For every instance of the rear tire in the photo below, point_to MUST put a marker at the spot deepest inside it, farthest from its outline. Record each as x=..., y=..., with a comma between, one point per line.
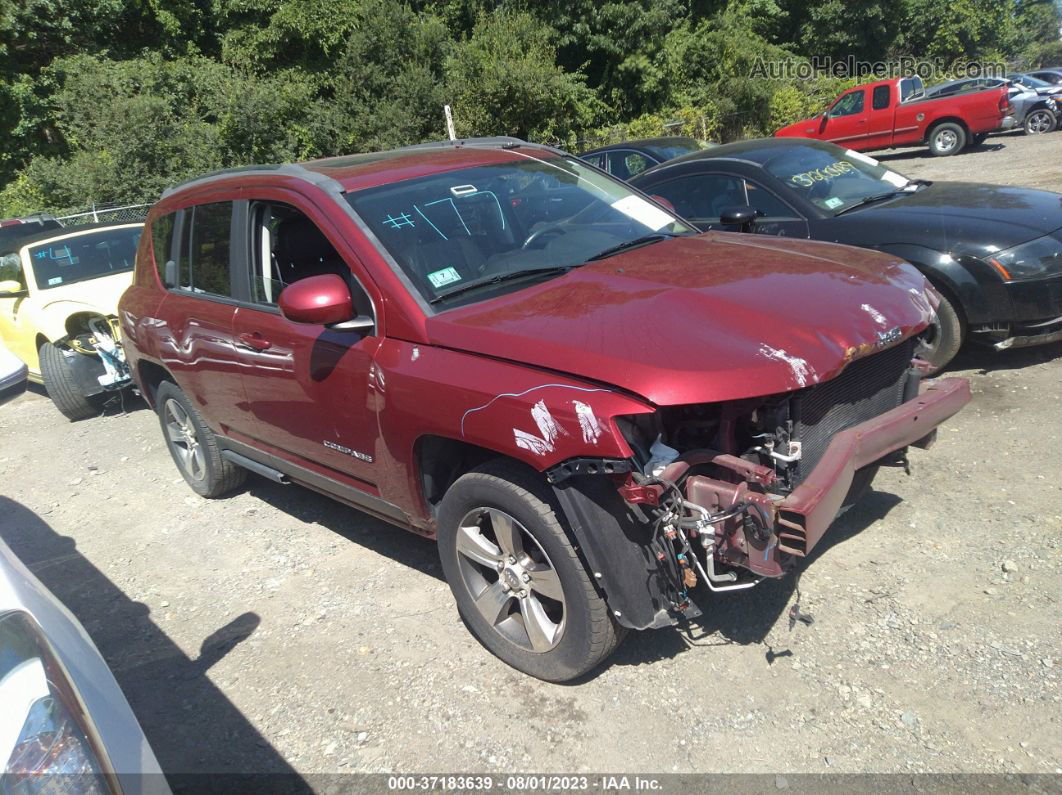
x=500, y=513
x=62, y=387
x=945, y=336
x=194, y=446
x=947, y=139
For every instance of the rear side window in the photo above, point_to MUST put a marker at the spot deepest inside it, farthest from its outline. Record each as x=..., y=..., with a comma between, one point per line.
x=162, y=246
x=880, y=100
x=206, y=235
x=625, y=163
x=703, y=197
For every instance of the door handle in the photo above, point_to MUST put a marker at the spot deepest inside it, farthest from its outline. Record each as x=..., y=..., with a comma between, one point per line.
x=254, y=342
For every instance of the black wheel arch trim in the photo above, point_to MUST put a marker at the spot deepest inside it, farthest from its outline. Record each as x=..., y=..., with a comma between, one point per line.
x=981, y=294
x=614, y=542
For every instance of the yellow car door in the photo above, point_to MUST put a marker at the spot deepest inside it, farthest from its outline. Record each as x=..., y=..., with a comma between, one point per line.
x=16, y=328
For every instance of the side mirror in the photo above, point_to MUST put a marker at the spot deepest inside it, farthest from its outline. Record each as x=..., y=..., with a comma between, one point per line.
x=742, y=216
x=11, y=288
x=663, y=202
x=323, y=300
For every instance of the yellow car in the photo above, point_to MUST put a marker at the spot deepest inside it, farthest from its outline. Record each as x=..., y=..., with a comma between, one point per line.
x=59, y=292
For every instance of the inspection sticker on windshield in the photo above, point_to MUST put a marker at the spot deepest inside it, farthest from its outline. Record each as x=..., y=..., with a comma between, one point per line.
x=833, y=202
x=444, y=277
x=643, y=212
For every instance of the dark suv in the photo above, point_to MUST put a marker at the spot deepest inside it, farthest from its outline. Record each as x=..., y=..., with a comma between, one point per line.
x=592, y=407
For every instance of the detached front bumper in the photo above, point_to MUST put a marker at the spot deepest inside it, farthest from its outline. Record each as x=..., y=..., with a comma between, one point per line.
x=1024, y=335
x=804, y=516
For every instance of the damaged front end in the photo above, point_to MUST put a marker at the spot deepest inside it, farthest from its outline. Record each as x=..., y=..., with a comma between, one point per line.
x=94, y=355
x=726, y=494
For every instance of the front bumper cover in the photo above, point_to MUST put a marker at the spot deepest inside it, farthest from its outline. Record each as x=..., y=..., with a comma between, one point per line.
x=1042, y=333
x=804, y=516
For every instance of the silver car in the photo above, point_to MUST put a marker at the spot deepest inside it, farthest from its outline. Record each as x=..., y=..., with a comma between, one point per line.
x=13, y=376
x=65, y=725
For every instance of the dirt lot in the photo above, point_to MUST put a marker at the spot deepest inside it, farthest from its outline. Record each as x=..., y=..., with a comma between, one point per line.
x=278, y=631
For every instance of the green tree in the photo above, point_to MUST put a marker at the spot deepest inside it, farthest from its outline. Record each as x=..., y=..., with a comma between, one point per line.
x=504, y=80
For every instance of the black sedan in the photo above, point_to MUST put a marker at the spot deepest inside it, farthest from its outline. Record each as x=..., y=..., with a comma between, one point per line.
x=994, y=253
x=624, y=160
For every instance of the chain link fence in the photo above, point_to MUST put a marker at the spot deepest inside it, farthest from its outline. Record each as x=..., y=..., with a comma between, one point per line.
x=99, y=214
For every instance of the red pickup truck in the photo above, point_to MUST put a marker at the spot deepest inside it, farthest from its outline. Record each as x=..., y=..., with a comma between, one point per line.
x=893, y=113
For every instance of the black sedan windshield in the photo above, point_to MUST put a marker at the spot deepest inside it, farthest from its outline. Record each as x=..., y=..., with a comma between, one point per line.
x=833, y=180
x=525, y=219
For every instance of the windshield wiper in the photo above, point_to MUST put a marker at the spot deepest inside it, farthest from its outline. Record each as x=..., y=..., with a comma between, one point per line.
x=498, y=278
x=871, y=200
x=644, y=240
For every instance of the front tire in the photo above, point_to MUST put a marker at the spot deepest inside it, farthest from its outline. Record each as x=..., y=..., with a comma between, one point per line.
x=944, y=338
x=947, y=139
x=1039, y=122
x=62, y=387
x=519, y=583
x=193, y=446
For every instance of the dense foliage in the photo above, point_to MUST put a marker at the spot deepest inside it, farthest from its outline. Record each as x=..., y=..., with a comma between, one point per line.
x=111, y=100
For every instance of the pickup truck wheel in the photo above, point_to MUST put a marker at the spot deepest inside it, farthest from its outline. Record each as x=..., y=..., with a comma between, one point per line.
x=194, y=446
x=62, y=387
x=944, y=337
x=520, y=587
x=946, y=139
x=1039, y=122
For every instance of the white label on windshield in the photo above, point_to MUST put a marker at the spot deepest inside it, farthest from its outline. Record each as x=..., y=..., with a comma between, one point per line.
x=55, y=280
x=860, y=156
x=894, y=179
x=833, y=202
x=444, y=277
x=643, y=212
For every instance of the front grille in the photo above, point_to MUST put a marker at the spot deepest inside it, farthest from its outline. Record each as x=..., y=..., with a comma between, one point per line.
x=865, y=389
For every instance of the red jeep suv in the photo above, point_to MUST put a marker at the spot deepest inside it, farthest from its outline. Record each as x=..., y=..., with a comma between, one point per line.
x=590, y=406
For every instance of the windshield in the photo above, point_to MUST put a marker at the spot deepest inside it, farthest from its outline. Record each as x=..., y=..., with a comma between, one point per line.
x=1031, y=82
x=448, y=230
x=87, y=256
x=833, y=178
x=675, y=149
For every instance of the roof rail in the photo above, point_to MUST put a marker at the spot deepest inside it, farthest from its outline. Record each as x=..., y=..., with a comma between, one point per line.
x=504, y=141
x=290, y=169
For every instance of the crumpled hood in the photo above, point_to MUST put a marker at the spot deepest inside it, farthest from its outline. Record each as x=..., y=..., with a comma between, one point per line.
x=719, y=316
x=99, y=295
x=960, y=218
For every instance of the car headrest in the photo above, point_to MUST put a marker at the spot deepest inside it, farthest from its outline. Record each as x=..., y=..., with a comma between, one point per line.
x=299, y=240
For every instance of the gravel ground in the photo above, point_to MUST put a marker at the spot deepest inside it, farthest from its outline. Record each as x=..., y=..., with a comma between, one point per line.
x=279, y=631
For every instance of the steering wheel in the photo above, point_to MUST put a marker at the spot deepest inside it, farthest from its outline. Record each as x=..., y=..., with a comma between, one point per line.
x=536, y=234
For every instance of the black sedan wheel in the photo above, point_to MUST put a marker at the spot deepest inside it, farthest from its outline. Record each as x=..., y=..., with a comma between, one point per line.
x=944, y=337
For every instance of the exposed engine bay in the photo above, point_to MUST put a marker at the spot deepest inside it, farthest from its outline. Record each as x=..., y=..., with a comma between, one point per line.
x=97, y=337
x=719, y=479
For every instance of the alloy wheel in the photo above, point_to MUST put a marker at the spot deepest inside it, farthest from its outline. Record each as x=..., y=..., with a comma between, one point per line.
x=1039, y=122
x=184, y=440
x=511, y=580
